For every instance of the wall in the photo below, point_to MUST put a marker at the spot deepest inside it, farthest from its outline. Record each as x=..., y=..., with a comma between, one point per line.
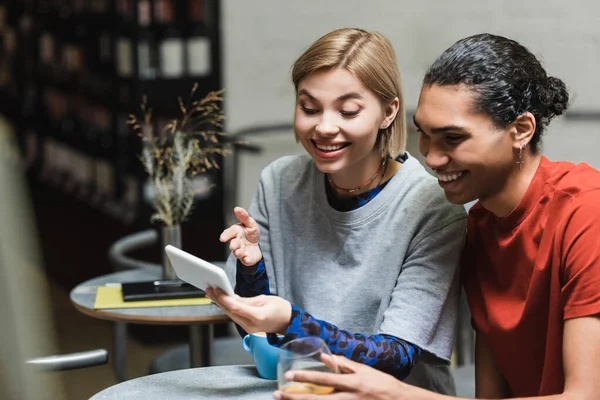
x=264, y=37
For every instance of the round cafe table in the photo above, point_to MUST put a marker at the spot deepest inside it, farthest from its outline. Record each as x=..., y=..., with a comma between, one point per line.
x=240, y=382
x=199, y=318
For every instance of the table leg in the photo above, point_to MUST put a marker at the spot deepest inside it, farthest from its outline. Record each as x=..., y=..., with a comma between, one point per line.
x=120, y=351
x=201, y=338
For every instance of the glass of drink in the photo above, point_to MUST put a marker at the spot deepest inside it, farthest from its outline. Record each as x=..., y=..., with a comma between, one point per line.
x=308, y=353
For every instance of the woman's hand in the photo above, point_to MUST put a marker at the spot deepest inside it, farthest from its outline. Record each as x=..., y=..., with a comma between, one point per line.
x=262, y=313
x=243, y=238
x=356, y=381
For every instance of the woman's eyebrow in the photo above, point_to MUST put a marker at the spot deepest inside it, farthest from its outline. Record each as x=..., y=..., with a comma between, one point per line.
x=342, y=98
x=351, y=95
x=305, y=92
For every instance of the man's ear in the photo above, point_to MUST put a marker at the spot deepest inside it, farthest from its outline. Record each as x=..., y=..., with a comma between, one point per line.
x=523, y=130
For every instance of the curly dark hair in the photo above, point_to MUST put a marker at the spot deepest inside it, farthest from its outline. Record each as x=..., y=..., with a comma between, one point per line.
x=507, y=79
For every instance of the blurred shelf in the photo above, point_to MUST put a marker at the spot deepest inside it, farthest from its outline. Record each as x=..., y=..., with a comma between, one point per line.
x=70, y=73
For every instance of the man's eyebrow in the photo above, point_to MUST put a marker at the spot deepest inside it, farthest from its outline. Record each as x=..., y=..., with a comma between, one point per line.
x=442, y=129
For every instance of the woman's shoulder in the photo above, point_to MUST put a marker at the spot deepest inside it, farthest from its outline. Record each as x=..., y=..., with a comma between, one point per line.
x=287, y=168
x=289, y=164
x=423, y=185
x=425, y=196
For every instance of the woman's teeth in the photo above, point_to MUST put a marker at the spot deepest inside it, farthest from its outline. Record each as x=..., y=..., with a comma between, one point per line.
x=449, y=177
x=329, y=147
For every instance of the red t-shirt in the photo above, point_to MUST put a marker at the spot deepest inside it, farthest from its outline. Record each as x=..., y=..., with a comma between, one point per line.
x=525, y=273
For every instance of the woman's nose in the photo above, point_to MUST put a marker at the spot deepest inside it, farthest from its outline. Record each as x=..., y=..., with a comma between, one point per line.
x=327, y=126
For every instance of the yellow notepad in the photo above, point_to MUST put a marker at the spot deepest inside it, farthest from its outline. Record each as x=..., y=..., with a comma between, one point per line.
x=112, y=297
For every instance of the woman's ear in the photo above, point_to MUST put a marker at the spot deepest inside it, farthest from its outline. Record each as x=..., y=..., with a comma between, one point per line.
x=523, y=129
x=390, y=113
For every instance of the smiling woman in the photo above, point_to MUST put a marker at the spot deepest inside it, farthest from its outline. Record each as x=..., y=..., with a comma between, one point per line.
x=356, y=232
x=337, y=120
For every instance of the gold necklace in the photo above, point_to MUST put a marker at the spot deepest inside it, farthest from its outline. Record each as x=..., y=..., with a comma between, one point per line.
x=364, y=185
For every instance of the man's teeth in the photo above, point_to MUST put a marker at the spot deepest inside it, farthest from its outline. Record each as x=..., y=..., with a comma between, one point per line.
x=329, y=148
x=449, y=177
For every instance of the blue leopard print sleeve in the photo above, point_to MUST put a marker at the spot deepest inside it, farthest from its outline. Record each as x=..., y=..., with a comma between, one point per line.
x=252, y=284
x=386, y=353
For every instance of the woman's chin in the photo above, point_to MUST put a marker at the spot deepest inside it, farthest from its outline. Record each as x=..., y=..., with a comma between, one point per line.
x=327, y=167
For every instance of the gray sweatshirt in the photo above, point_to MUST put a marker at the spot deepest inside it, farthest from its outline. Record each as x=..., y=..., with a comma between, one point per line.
x=390, y=266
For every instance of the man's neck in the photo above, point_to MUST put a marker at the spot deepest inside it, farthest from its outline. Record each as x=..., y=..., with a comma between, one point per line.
x=502, y=203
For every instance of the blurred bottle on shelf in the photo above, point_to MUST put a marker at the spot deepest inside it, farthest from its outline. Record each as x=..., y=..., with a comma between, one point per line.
x=144, y=13
x=198, y=43
x=171, y=45
x=147, y=57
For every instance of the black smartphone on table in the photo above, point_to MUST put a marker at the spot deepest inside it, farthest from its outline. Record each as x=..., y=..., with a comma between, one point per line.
x=160, y=290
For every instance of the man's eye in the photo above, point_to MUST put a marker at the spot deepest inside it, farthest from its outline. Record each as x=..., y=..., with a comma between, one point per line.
x=309, y=111
x=454, y=139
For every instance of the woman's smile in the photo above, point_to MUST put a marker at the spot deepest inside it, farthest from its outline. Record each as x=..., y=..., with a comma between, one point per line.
x=328, y=149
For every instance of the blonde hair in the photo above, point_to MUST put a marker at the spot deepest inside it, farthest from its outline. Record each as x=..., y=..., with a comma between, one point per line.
x=370, y=57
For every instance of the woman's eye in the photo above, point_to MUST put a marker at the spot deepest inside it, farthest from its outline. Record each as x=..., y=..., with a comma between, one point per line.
x=309, y=111
x=349, y=113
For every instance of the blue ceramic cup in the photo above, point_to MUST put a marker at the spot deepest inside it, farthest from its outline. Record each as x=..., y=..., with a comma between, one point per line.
x=265, y=355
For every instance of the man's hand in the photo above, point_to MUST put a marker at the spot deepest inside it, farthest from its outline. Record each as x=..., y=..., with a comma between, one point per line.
x=356, y=381
x=262, y=313
x=243, y=238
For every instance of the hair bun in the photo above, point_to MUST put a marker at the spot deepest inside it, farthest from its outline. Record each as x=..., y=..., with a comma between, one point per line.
x=554, y=97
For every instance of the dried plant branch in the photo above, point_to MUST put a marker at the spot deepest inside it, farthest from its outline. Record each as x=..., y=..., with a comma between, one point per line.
x=186, y=146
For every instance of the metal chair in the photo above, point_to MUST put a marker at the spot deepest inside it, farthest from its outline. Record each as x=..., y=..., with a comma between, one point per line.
x=117, y=254
x=65, y=362
x=254, y=148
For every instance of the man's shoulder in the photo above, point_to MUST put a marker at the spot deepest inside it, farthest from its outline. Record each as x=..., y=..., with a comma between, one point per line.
x=572, y=178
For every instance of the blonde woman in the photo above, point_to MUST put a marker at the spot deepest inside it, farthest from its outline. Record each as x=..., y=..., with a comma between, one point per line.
x=356, y=232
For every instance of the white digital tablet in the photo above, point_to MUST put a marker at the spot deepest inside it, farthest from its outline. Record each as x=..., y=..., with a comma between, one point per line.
x=198, y=272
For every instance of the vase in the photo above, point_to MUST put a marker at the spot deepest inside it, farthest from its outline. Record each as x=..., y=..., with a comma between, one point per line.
x=171, y=234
